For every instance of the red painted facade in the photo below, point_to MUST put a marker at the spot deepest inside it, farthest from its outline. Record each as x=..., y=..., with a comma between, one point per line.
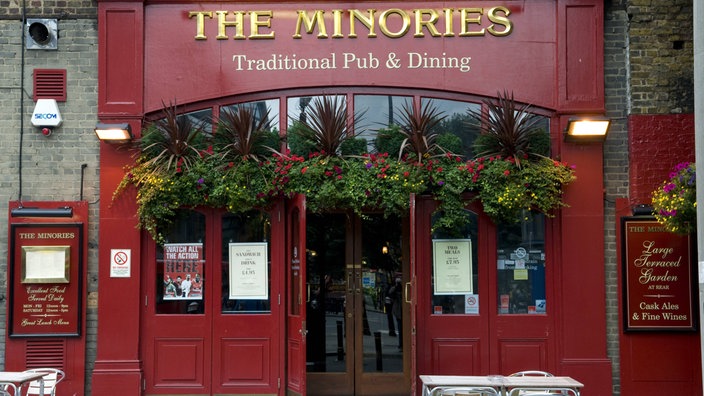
x=155, y=53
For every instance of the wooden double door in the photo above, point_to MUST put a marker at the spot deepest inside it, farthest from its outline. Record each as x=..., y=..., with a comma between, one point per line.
x=212, y=320
x=357, y=305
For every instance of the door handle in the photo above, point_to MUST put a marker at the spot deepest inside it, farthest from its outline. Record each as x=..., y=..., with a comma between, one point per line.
x=406, y=294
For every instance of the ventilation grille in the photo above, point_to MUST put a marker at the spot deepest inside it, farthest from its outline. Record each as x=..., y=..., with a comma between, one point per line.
x=50, y=84
x=45, y=353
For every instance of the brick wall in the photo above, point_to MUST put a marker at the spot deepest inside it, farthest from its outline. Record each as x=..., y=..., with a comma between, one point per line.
x=661, y=49
x=615, y=164
x=52, y=167
x=64, y=9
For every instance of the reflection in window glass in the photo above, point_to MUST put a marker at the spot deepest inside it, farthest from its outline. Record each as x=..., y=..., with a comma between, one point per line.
x=180, y=266
x=376, y=114
x=261, y=108
x=203, y=118
x=242, y=228
x=542, y=146
x=299, y=114
x=457, y=303
x=456, y=133
x=521, y=266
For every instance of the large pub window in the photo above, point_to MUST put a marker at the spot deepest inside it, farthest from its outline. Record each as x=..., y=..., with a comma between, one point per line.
x=520, y=266
x=180, y=266
x=455, y=276
x=239, y=232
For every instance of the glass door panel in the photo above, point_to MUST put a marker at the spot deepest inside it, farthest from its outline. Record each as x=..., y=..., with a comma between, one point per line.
x=356, y=304
x=327, y=293
x=382, y=295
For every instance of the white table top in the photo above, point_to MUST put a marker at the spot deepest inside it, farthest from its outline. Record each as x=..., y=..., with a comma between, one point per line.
x=18, y=377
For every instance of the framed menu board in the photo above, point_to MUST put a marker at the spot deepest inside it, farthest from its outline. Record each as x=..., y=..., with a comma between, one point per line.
x=45, y=279
x=658, y=290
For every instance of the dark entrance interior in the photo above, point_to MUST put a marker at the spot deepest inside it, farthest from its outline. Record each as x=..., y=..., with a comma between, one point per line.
x=356, y=269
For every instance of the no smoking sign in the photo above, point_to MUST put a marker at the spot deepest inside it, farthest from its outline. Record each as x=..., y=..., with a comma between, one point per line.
x=120, y=263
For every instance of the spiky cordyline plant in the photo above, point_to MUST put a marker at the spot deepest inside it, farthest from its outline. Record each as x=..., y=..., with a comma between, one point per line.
x=173, y=142
x=326, y=123
x=241, y=134
x=506, y=129
x=416, y=127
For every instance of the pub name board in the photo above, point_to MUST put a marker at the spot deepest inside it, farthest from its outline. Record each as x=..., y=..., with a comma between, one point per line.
x=392, y=23
x=657, y=276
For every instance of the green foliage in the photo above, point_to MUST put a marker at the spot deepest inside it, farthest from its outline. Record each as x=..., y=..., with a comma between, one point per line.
x=389, y=140
x=297, y=141
x=353, y=146
x=241, y=172
x=449, y=143
x=506, y=190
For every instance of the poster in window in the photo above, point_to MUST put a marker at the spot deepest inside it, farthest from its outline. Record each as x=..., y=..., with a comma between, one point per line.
x=657, y=277
x=183, y=266
x=249, y=273
x=452, y=266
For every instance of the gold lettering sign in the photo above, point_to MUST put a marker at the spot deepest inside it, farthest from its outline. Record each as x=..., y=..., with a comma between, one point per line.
x=657, y=274
x=392, y=23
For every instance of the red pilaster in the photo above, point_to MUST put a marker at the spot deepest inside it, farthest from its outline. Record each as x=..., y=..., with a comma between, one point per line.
x=118, y=369
x=582, y=276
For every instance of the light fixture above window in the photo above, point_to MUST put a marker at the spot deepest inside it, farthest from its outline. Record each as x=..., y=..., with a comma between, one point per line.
x=588, y=129
x=114, y=133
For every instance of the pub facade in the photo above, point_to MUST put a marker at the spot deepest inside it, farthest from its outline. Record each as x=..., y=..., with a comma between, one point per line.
x=289, y=299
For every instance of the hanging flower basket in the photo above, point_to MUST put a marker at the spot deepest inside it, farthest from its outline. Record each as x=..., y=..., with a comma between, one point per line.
x=229, y=171
x=675, y=201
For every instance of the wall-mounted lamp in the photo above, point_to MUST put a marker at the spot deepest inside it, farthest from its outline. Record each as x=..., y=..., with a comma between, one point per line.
x=642, y=210
x=591, y=129
x=42, y=212
x=114, y=133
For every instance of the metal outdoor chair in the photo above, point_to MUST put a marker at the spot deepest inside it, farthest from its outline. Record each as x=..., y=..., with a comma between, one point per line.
x=463, y=391
x=51, y=379
x=531, y=373
x=533, y=392
x=545, y=392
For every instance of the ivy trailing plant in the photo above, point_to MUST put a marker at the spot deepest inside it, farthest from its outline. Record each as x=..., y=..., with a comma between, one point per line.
x=241, y=167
